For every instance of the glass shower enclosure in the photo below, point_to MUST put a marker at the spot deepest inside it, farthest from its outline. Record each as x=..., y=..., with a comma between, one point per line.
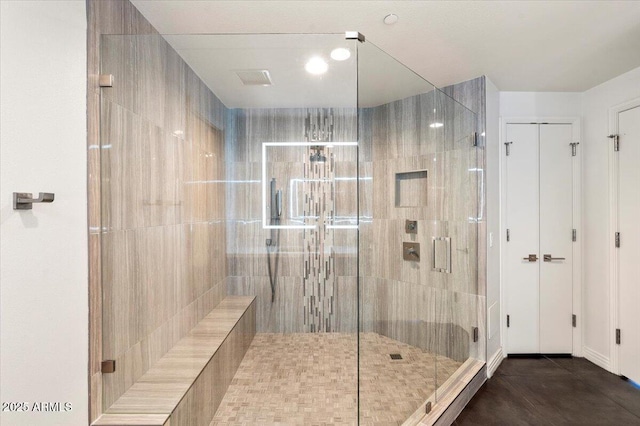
x=314, y=172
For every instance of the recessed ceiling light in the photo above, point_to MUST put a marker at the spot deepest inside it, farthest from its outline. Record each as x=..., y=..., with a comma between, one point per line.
x=436, y=125
x=390, y=19
x=340, y=54
x=316, y=65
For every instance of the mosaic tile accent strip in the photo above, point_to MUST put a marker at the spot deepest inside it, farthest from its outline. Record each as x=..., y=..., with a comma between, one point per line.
x=318, y=277
x=310, y=378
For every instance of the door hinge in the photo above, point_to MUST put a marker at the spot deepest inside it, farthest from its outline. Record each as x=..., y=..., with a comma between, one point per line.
x=574, y=148
x=476, y=334
x=617, y=336
x=427, y=407
x=617, y=240
x=616, y=142
x=508, y=235
x=108, y=366
x=506, y=145
x=574, y=235
x=574, y=320
x=508, y=321
x=105, y=80
x=474, y=138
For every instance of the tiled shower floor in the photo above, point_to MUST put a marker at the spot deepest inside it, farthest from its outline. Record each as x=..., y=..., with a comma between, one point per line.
x=310, y=379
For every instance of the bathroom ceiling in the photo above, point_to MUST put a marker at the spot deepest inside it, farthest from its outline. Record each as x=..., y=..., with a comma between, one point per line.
x=217, y=59
x=519, y=45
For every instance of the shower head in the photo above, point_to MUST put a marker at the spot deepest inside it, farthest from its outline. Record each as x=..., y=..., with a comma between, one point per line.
x=317, y=156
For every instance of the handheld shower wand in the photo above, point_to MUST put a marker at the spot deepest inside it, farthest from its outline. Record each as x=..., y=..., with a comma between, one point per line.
x=276, y=203
x=276, y=214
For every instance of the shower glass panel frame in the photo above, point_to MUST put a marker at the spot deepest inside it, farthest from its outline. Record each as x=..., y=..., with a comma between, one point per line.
x=187, y=154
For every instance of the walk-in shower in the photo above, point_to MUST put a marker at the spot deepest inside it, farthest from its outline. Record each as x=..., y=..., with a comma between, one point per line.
x=342, y=193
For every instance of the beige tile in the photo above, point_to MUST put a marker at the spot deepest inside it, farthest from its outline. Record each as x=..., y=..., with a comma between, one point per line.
x=132, y=420
x=218, y=338
x=95, y=396
x=200, y=403
x=95, y=304
x=139, y=171
x=141, y=356
x=311, y=379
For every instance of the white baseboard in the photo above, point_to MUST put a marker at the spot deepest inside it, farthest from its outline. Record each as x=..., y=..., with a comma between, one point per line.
x=494, y=362
x=597, y=358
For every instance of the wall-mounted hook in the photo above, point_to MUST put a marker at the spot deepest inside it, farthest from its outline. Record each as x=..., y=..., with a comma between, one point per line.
x=25, y=200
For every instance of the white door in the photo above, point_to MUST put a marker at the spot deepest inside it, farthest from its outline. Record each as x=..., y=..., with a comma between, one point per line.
x=556, y=239
x=522, y=274
x=629, y=252
x=539, y=253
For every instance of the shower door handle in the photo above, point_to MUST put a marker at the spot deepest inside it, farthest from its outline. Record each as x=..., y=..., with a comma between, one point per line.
x=447, y=247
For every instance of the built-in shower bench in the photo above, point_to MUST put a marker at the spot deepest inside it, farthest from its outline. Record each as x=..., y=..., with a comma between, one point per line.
x=186, y=386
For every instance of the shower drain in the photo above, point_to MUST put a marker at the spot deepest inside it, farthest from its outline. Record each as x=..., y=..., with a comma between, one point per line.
x=395, y=356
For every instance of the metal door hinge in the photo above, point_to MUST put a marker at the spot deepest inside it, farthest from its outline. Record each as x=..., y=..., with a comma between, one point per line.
x=476, y=334
x=574, y=148
x=508, y=149
x=574, y=320
x=617, y=336
x=105, y=80
x=574, y=235
x=508, y=235
x=508, y=321
x=354, y=35
x=616, y=142
x=427, y=407
x=617, y=240
x=108, y=366
x=474, y=138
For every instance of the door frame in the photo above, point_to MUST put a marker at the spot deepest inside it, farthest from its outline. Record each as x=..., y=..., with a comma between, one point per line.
x=575, y=122
x=614, y=280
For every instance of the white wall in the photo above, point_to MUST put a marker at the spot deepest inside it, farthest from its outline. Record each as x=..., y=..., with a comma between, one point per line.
x=43, y=252
x=492, y=152
x=596, y=104
x=540, y=104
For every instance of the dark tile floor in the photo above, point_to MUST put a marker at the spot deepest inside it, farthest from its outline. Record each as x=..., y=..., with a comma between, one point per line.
x=553, y=391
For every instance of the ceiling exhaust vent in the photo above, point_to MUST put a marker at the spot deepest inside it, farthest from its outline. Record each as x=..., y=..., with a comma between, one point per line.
x=255, y=77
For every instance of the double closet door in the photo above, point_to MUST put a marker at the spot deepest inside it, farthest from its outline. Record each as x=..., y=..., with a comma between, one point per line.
x=538, y=268
x=628, y=210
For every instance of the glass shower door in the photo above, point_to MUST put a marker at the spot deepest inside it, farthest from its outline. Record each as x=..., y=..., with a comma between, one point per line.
x=458, y=304
x=418, y=240
x=399, y=201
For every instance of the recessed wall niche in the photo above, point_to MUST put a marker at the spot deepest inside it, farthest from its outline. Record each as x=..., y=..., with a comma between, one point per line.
x=411, y=189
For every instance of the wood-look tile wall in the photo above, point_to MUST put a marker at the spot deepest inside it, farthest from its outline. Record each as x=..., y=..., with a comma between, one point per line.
x=247, y=129
x=406, y=300
x=157, y=198
x=203, y=399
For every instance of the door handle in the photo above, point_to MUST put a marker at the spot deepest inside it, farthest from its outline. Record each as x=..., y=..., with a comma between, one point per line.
x=548, y=258
x=531, y=258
